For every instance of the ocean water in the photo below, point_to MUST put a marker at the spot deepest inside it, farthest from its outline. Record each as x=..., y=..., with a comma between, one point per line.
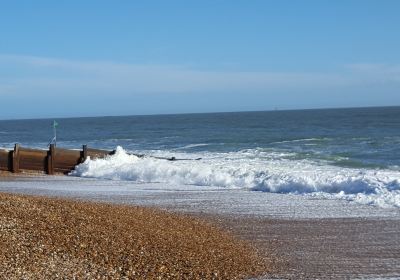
x=346, y=154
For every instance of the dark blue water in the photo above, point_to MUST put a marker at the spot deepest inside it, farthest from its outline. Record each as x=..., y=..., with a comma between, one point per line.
x=362, y=137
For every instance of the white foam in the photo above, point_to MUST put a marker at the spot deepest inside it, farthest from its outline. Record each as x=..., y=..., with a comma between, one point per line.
x=302, y=140
x=255, y=170
x=191, y=146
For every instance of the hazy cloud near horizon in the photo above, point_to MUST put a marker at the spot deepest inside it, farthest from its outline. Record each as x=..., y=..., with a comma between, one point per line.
x=27, y=79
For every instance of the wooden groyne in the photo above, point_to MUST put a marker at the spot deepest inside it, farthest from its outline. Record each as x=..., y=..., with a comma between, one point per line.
x=51, y=161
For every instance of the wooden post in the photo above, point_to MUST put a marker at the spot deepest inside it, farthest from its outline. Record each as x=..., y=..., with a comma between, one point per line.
x=50, y=160
x=84, y=153
x=10, y=161
x=15, y=159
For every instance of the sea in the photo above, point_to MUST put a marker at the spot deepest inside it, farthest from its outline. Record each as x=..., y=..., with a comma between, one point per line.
x=345, y=154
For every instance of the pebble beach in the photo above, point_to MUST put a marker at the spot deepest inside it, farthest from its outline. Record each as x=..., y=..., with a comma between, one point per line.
x=196, y=233
x=48, y=238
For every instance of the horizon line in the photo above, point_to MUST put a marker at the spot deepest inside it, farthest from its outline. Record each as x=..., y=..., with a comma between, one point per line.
x=201, y=113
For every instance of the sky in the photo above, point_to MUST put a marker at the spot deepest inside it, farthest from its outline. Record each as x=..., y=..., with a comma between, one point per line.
x=95, y=58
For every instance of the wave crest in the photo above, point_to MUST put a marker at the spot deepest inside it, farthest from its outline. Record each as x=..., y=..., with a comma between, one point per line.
x=244, y=170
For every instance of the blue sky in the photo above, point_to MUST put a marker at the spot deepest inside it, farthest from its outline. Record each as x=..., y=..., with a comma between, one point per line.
x=93, y=58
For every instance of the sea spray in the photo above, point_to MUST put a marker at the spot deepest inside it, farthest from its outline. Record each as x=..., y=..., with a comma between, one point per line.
x=253, y=170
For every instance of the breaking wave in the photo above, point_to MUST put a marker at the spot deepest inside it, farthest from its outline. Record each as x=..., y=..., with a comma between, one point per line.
x=253, y=170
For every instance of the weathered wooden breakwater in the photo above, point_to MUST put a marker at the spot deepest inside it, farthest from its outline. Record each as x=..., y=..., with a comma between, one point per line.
x=51, y=161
